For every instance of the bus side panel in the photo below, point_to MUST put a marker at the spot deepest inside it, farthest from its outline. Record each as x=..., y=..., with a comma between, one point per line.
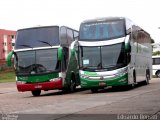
x=141, y=53
x=131, y=66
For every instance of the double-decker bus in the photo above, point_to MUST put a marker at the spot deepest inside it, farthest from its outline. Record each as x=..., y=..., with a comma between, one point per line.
x=113, y=51
x=45, y=59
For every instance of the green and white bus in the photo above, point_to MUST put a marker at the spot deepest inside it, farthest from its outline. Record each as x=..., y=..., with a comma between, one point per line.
x=113, y=51
x=45, y=59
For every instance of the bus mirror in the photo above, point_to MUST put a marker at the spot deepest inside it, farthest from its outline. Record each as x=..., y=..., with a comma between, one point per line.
x=127, y=47
x=9, y=58
x=60, y=53
x=127, y=44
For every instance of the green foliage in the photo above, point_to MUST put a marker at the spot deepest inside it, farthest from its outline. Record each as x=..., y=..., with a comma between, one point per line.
x=156, y=53
x=7, y=76
x=152, y=41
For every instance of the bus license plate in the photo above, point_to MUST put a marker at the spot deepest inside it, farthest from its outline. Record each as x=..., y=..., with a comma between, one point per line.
x=102, y=83
x=38, y=86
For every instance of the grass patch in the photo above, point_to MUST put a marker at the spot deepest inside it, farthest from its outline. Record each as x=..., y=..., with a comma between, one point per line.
x=7, y=76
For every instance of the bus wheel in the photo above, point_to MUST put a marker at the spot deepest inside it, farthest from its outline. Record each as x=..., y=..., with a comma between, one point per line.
x=132, y=86
x=72, y=86
x=94, y=90
x=158, y=74
x=134, y=78
x=36, y=92
x=147, y=78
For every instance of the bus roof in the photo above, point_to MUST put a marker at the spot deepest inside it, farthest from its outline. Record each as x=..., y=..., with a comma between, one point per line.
x=102, y=19
x=158, y=56
x=37, y=27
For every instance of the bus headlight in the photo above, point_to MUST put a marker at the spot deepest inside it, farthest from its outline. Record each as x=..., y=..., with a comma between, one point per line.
x=84, y=83
x=84, y=76
x=55, y=79
x=122, y=72
x=21, y=82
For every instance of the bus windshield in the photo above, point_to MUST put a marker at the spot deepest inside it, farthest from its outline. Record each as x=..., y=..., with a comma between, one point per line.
x=102, y=57
x=104, y=30
x=37, y=37
x=36, y=62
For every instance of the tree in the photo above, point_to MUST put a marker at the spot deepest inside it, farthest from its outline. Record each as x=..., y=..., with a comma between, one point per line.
x=156, y=53
x=152, y=40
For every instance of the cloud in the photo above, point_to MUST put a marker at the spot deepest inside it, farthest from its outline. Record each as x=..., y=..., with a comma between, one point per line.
x=28, y=13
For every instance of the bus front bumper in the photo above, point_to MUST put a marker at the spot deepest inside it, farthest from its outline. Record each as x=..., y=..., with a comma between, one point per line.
x=117, y=81
x=21, y=87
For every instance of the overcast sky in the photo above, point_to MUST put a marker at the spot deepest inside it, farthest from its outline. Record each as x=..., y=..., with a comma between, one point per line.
x=17, y=14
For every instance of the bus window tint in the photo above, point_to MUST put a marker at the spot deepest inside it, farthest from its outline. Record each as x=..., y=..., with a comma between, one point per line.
x=88, y=60
x=102, y=57
x=37, y=37
x=156, y=61
x=39, y=61
x=47, y=60
x=24, y=62
x=102, y=30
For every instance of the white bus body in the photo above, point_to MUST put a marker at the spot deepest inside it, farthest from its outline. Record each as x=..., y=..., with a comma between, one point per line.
x=156, y=65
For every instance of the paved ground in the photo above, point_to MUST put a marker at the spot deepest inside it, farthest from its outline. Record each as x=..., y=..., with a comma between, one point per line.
x=141, y=103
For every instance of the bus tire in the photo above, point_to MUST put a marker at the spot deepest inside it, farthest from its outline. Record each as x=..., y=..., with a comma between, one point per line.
x=94, y=90
x=134, y=77
x=146, y=82
x=36, y=92
x=132, y=86
x=72, y=86
x=158, y=74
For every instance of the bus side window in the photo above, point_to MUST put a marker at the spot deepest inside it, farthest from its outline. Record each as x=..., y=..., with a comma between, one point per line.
x=75, y=34
x=69, y=36
x=129, y=51
x=63, y=36
x=156, y=61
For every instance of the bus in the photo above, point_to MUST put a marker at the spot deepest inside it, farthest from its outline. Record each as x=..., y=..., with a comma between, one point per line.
x=113, y=51
x=156, y=65
x=45, y=58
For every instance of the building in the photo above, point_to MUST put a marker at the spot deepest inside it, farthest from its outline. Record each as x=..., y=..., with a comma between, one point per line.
x=156, y=47
x=7, y=39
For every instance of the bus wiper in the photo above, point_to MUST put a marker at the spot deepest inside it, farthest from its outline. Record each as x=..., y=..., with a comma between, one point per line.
x=84, y=68
x=28, y=46
x=109, y=66
x=99, y=65
x=89, y=68
x=45, y=42
x=120, y=64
